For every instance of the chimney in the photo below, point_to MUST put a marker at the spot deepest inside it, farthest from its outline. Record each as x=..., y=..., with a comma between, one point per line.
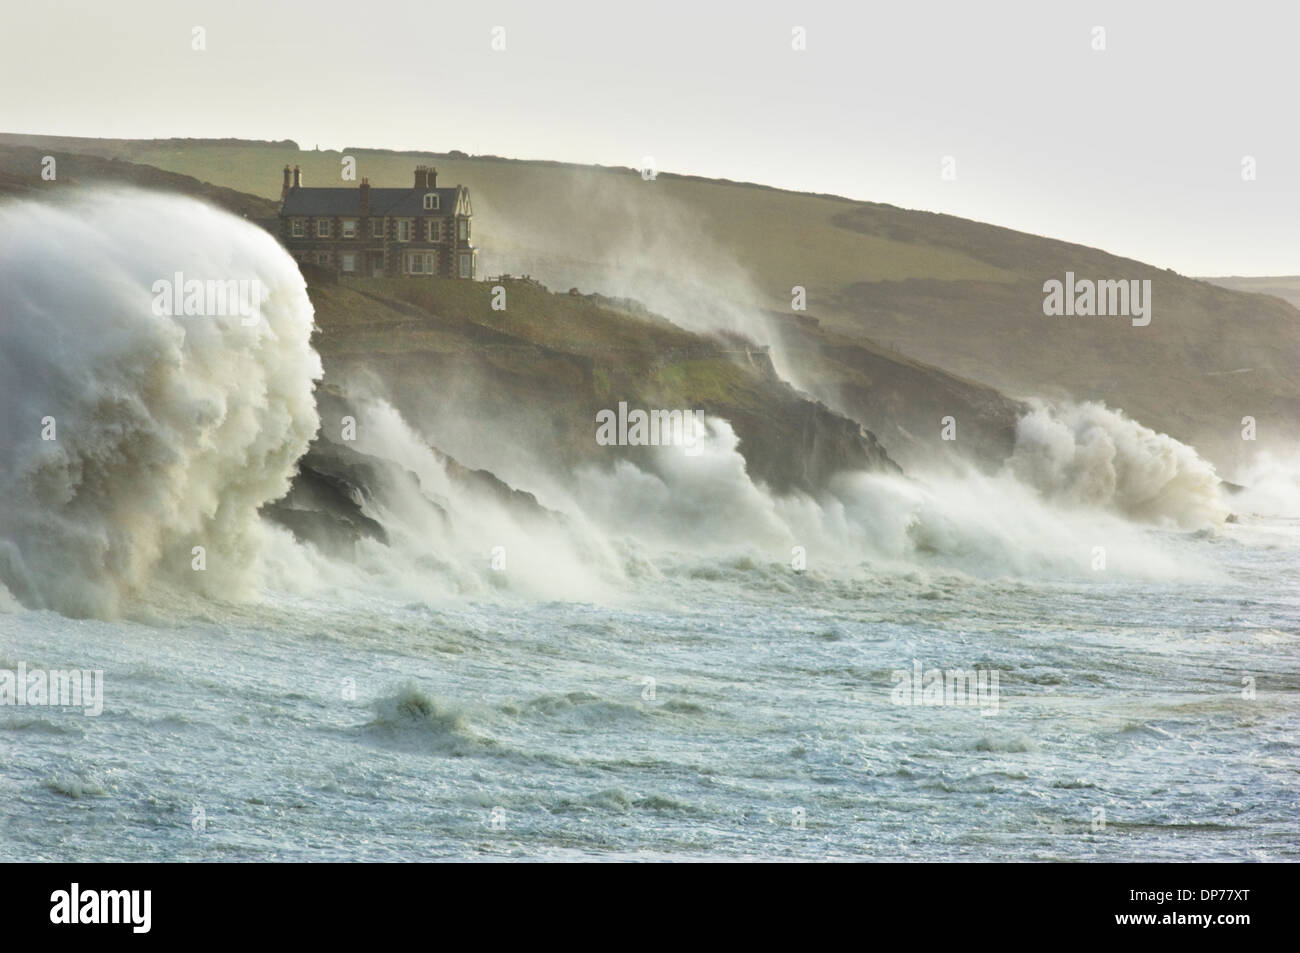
x=284, y=189
x=297, y=177
x=365, y=198
x=421, y=176
x=433, y=177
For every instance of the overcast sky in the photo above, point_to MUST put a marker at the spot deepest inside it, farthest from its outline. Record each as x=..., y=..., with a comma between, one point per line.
x=1137, y=149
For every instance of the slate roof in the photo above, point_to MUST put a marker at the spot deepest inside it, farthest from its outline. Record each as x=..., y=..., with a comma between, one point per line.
x=345, y=201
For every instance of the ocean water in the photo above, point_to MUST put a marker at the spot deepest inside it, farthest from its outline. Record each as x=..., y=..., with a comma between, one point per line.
x=527, y=729
x=680, y=665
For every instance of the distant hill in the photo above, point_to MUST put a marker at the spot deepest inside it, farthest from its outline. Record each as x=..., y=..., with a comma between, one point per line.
x=20, y=174
x=1286, y=287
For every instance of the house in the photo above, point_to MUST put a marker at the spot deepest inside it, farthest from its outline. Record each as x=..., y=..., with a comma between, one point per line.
x=365, y=231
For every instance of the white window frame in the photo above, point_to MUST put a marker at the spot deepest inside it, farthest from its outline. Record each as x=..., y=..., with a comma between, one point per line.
x=463, y=229
x=425, y=260
x=432, y=201
x=298, y=228
x=404, y=225
x=466, y=265
x=435, y=230
x=377, y=227
x=349, y=228
x=348, y=262
x=322, y=228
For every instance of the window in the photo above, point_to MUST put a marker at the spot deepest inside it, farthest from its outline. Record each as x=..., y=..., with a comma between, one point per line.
x=376, y=228
x=466, y=266
x=349, y=228
x=299, y=227
x=430, y=201
x=323, y=258
x=322, y=228
x=403, y=229
x=435, y=230
x=419, y=263
x=464, y=229
x=349, y=261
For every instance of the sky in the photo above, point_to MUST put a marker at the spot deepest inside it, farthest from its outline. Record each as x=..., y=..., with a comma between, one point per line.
x=1144, y=148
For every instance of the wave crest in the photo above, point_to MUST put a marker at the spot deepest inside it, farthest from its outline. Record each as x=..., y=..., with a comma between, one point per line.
x=1089, y=455
x=169, y=432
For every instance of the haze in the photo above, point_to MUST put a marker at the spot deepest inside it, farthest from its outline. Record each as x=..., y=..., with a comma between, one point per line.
x=1137, y=149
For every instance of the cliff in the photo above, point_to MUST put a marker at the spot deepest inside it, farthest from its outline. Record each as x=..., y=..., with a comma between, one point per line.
x=535, y=375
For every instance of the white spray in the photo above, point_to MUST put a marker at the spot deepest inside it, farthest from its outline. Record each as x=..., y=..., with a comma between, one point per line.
x=130, y=438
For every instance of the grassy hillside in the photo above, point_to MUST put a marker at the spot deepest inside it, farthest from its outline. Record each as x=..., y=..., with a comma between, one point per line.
x=786, y=237
x=1209, y=357
x=958, y=295
x=20, y=175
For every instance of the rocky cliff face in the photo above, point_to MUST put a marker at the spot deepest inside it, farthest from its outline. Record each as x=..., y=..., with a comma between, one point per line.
x=495, y=388
x=502, y=399
x=333, y=502
x=907, y=402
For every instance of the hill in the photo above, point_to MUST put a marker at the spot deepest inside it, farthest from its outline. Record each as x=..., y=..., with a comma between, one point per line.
x=958, y=296
x=1286, y=287
x=574, y=355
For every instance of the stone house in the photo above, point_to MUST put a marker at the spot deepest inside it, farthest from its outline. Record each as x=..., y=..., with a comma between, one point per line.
x=423, y=230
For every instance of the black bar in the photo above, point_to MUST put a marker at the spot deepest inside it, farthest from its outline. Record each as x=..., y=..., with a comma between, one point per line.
x=946, y=903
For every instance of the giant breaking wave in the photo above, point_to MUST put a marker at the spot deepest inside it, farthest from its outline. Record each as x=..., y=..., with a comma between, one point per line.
x=169, y=432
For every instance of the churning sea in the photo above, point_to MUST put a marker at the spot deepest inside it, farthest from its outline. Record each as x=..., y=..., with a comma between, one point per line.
x=721, y=710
